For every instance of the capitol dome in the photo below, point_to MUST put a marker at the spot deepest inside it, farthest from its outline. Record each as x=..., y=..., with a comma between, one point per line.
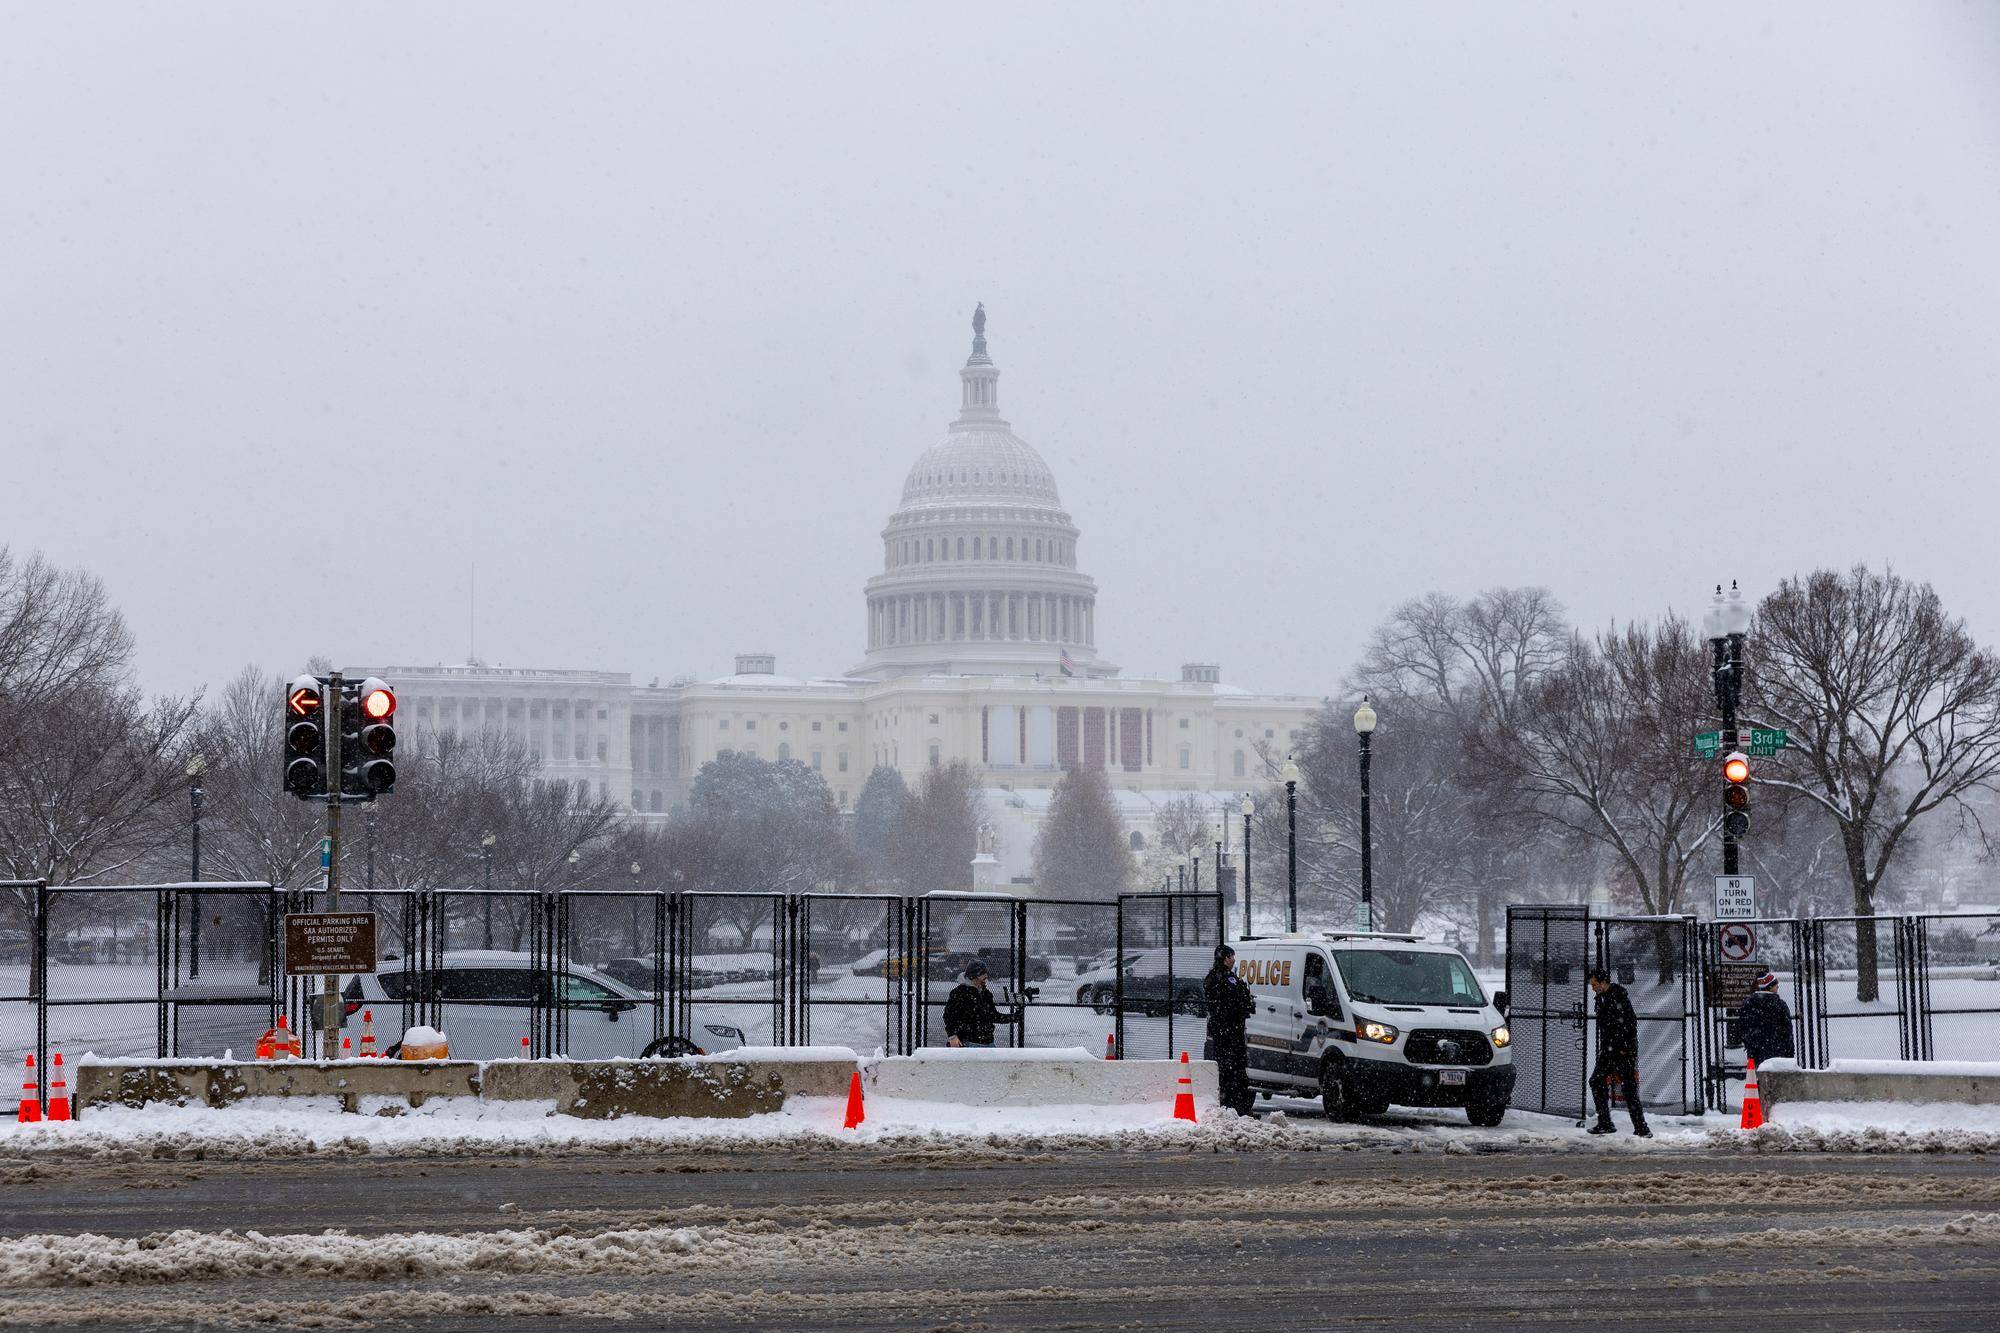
x=979, y=571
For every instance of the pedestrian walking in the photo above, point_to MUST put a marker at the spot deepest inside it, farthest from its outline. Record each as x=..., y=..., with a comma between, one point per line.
x=969, y=1012
x=1617, y=1054
x=1230, y=1005
x=1764, y=1022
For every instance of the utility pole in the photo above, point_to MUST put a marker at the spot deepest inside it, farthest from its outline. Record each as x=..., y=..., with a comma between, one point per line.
x=1728, y=621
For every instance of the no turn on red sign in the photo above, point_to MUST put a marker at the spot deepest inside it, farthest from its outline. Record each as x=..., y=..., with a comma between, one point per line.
x=1735, y=898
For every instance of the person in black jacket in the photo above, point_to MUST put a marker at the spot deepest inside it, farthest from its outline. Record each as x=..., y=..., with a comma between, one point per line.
x=969, y=1012
x=1617, y=1054
x=1229, y=1007
x=1764, y=1022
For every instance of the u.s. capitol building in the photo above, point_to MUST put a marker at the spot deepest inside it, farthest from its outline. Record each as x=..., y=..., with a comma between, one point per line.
x=981, y=646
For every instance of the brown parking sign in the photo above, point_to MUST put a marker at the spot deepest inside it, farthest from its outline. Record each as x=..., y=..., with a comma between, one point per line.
x=317, y=943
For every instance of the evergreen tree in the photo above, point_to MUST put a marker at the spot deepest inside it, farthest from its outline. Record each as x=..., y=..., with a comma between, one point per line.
x=879, y=813
x=940, y=831
x=1081, y=851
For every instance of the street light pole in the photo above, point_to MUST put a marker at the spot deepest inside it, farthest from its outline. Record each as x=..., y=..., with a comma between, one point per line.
x=486, y=842
x=1249, y=808
x=195, y=766
x=1291, y=776
x=1364, y=727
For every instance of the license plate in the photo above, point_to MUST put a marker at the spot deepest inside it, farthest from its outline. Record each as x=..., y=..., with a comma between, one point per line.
x=1452, y=1078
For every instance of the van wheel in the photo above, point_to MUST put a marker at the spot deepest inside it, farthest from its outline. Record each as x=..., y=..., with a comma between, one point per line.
x=671, y=1048
x=1335, y=1098
x=1486, y=1114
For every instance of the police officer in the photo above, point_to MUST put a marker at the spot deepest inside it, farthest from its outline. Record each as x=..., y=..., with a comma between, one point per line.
x=969, y=1011
x=1617, y=1054
x=1230, y=1005
x=1764, y=1021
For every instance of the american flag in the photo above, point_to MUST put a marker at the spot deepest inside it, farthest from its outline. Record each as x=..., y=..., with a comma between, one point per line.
x=1068, y=667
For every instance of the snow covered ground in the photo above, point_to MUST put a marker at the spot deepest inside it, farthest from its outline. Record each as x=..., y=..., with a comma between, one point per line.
x=452, y=1128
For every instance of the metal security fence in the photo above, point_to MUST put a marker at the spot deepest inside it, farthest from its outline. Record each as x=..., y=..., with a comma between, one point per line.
x=1884, y=987
x=198, y=970
x=1166, y=945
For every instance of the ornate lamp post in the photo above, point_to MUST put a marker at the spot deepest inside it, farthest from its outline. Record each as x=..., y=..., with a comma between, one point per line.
x=1291, y=777
x=1249, y=808
x=196, y=766
x=1364, y=727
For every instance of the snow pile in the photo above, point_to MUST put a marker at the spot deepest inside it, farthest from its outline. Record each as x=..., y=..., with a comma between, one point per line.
x=88, y=1259
x=1900, y=1068
x=1871, y=1127
x=1969, y=1229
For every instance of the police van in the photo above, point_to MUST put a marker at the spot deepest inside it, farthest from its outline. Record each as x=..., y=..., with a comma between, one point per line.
x=1366, y=1020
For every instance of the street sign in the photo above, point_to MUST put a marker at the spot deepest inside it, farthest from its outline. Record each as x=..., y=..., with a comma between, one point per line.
x=1767, y=741
x=1736, y=943
x=1735, y=898
x=1729, y=984
x=1708, y=744
x=322, y=943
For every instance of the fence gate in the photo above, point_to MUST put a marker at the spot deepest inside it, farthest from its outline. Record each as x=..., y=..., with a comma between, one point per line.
x=734, y=978
x=952, y=930
x=1166, y=944
x=1548, y=957
x=1657, y=961
x=849, y=960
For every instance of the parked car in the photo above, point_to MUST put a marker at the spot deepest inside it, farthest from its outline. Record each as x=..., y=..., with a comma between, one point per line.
x=1149, y=989
x=489, y=995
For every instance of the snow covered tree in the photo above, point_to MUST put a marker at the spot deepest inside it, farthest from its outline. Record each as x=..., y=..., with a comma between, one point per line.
x=940, y=831
x=1892, y=710
x=1081, y=850
x=878, y=818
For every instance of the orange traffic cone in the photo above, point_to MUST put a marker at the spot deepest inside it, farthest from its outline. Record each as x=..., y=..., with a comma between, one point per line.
x=31, y=1098
x=368, y=1050
x=1753, y=1105
x=279, y=1041
x=58, y=1091
x=1184, y=1099
x=524, y=1049
x=1111, y=1046
x=347, y=1048
x=855, y=1115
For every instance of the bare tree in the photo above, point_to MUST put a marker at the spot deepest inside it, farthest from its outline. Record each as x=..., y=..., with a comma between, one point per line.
x=1598, y=749
x=1468, y=661
x=1893, y=713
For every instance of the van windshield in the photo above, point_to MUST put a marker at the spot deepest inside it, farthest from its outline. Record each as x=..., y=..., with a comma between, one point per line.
x=1408, y=976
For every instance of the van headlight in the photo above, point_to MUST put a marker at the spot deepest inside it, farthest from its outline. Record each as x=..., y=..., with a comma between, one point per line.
x=1501, y=1037
x=1369, y=1030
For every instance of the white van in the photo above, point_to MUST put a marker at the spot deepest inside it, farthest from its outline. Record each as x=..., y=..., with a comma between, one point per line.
x=1367, y=1020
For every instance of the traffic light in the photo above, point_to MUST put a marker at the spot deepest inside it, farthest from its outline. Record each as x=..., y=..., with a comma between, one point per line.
x=374, y=769
x=305, y=740
x=1736, y=794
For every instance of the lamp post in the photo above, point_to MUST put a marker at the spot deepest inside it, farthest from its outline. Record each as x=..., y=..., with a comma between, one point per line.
x=1291, y=777
x=1249, y=808
x=1364, y=727
x=486, y=841
x=196, y=765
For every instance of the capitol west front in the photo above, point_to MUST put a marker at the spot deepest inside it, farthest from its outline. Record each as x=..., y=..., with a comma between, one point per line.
x=979, y=611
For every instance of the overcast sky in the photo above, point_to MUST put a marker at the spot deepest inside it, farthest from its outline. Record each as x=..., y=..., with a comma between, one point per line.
x=646, y=311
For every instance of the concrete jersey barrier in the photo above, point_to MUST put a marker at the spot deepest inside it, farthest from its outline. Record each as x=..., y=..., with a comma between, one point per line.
x=1781, y=1082
x=1032, y=1078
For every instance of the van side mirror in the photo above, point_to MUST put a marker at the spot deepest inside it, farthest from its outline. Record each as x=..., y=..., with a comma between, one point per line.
x=1320, y=1002
x=1500, y=1002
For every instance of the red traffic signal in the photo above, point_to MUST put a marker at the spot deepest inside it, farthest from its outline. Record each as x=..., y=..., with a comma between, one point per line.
x=378, y=701
x=1736, y=768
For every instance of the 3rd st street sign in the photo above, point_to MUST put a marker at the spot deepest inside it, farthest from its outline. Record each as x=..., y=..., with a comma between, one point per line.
x=1757, y=742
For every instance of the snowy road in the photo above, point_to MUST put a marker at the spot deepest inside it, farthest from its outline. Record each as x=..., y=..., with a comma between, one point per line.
x=975, y=1235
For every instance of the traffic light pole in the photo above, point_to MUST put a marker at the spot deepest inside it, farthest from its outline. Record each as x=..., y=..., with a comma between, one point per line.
x=1728, y=678
x=334, y=715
